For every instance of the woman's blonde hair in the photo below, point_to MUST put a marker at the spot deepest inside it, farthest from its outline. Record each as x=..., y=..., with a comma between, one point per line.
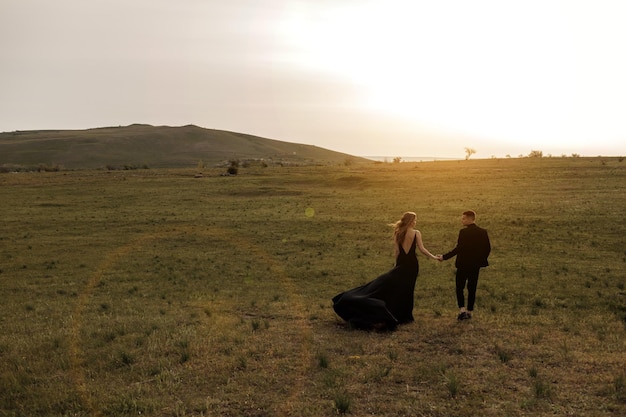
x=401, y=226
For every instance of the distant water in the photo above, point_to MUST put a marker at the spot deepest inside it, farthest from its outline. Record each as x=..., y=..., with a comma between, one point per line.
x=409, y=158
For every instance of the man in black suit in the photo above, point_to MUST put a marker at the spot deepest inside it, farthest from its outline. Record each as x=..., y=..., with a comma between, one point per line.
x=471, y=251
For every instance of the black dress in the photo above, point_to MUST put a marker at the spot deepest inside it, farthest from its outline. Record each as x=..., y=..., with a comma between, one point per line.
x=384, y=302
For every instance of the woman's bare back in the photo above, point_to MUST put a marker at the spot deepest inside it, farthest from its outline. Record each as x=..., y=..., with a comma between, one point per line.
x=408, y=240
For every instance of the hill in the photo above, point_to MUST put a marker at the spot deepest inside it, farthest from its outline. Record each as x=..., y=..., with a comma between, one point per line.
x=140, y=145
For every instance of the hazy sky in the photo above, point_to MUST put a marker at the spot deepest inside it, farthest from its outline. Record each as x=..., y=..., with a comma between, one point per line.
x=380, y=77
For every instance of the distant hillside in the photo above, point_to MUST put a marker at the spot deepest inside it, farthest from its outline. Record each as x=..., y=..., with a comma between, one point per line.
x=152, y=146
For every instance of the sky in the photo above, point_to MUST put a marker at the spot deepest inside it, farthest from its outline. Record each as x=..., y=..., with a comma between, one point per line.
x=380, y=77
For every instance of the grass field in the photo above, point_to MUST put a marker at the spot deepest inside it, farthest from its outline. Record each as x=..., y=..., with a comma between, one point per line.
x=155, y=293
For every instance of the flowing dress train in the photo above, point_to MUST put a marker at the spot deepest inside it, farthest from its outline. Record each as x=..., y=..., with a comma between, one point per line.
x=387, y=300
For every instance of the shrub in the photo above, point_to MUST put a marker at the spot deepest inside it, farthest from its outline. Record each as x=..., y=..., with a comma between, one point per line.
x=342, y=402
x=542, y=389
x=503, y=354
x=619, y=385
x=452, y=383
x=322, y=360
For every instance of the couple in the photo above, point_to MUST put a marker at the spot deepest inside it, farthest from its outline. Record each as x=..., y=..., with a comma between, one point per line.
x=387, y=301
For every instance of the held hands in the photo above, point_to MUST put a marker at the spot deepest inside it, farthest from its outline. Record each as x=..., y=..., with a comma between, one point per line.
x=439, y=258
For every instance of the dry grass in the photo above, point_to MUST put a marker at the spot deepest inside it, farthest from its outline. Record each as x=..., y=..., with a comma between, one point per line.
x=157, y=293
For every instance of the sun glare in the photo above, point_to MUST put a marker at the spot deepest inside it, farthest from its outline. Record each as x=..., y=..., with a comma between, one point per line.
x=471, y=74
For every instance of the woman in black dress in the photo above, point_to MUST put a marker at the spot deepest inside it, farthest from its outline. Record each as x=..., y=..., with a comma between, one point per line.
x=388, y=300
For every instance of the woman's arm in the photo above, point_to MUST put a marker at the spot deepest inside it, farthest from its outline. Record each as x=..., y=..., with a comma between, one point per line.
x=421, y=247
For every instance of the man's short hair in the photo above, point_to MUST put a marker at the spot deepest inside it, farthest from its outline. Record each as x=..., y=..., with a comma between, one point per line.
x=470, y=213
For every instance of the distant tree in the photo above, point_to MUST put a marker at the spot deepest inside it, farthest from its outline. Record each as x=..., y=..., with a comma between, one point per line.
x=233, y=169
x=469, y=152
x=397, y=160
x=535, y=154
x=508, y=155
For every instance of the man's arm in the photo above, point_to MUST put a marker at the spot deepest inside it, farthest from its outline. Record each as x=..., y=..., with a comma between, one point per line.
x=454, y=251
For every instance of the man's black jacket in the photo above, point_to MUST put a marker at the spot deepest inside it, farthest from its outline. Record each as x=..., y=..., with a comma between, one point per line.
x=472, y=248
